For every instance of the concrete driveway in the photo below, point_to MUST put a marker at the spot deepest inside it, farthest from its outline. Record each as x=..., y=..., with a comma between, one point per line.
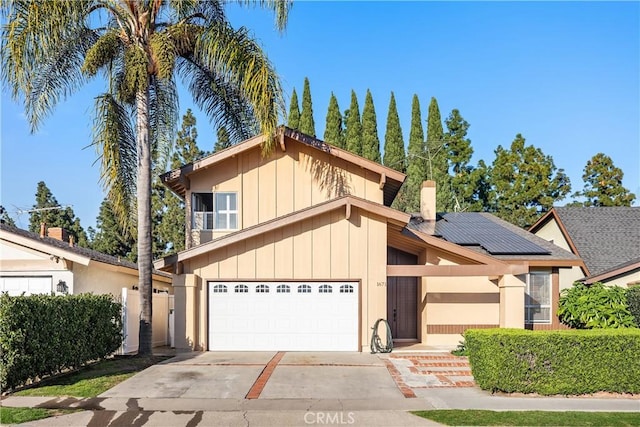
x=263, y=375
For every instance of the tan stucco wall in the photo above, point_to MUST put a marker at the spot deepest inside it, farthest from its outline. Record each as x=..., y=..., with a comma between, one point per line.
x=327, y=247
x=624, y=280
x=101, y=278
x=551, y=232
x=282, y=183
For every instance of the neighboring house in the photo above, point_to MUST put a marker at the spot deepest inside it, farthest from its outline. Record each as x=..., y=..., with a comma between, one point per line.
x=300, y=250
x=32, y=263
x=606, y=238
x=35, y=264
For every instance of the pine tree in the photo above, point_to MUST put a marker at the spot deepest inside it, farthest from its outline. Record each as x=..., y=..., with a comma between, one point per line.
x=394, y=156
x=370, y=140
x=603, y=184
x=110, y=238
x=333, y=130
x=353, y=128
x=60, y=217
x=5, y=218
x=307, y=125
x=223, y=140
x=437, y=159
x=294, y=112
x=409, y=198
x=524, y=183
x=464, y=178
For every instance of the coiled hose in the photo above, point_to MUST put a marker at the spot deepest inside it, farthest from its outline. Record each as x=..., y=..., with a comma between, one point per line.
x=376, y=342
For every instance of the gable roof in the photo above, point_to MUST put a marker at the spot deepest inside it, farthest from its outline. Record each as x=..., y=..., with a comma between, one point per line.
x=392, y=216
x=390, y=180
x=618, y=270
x=63, y=249
x=604, y=237
x=489, y=235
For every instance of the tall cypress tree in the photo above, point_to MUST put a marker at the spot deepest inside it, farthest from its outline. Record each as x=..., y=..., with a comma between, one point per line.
x=370, y=140
x=463, y=176
x=438, y=167
x=603, y=184
x=353, y=128
x=223, y=140
x=333, y=130
x=307, y=125
x=394, y=156
x=294, y=112
x=110, y=238
x=409, y=197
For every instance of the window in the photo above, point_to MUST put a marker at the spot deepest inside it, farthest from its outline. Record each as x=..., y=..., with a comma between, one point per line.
x=346, y=289
x=283, y=289
x=220, y=289
x=226, y=211
x=304, y=289
x=215, y=211
x=325, y=289
x=537, y=298
x=241, y=289
x=262, y=289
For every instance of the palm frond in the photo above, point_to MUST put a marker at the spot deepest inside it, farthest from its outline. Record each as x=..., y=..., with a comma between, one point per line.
x=239, y=60
x=221, y=101
x=163, y=117
x=280, y=8
x=59, y=76
x=32, y=33
x=102, y=52
x=115, y=144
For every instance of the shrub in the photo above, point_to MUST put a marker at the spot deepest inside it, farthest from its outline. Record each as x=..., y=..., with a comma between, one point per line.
x=633, y=303
x=566, y=362
x=594, y=306
x=44, y=334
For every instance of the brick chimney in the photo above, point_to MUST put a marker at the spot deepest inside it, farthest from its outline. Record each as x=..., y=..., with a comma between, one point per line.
x=43, y=230
x=58, y=233
x=428, y=201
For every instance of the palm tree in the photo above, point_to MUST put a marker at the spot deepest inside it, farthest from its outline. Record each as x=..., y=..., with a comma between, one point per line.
x=50, y=48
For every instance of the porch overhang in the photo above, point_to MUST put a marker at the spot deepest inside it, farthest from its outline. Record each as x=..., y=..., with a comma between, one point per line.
x=456, y=270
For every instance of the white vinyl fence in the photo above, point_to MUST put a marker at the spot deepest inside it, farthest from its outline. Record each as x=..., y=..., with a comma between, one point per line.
x=161, y=320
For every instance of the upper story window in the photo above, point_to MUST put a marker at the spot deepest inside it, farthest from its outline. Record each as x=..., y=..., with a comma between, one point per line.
x=215, y=211
x=537, y=298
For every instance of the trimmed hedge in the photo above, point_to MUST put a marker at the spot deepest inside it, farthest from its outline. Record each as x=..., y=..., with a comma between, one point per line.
x=568, y=362
x=44, y=334
x=633, y=303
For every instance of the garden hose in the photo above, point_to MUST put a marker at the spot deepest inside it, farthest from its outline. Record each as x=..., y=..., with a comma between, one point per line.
x=376, y=342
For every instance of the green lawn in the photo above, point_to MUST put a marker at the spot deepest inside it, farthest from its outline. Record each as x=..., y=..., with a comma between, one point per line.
x=455, y=417
x=23, y=415
x=94, y=379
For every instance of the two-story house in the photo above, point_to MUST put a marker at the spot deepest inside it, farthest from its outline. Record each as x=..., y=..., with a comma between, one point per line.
x=300, y=250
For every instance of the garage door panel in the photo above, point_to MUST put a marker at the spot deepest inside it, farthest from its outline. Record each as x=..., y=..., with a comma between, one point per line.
x=294, y=316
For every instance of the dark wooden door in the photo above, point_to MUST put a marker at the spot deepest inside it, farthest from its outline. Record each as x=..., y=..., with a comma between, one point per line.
x=402, y=298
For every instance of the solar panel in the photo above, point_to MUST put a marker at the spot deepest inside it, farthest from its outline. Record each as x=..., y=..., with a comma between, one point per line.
x=475, y=229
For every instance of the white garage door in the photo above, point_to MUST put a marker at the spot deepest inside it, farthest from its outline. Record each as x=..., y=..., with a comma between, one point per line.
x=283, y=316
x=29, y=285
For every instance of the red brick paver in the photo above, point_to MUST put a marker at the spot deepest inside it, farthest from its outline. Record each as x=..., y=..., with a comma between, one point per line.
x=262, y=379
x=397, y=377
x=432, y=370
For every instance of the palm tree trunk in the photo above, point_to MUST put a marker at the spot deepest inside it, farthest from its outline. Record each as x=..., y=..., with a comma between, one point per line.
x=144, y=220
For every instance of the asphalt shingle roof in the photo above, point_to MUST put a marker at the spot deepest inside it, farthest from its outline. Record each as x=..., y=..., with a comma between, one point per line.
x=89, y=253
x=605, y=237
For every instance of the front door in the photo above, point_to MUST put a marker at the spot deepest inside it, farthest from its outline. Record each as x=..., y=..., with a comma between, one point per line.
x=402, y=307
x=402, y=298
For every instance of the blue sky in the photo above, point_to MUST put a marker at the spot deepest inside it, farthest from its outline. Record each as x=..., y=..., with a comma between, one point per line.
x=564, y=74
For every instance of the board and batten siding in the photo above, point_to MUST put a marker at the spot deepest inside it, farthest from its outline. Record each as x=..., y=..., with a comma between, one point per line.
x=325, y=247
x=282, y=183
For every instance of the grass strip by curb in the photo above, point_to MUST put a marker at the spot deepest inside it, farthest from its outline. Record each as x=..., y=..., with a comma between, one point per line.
x=472, y=417
x=10, y=415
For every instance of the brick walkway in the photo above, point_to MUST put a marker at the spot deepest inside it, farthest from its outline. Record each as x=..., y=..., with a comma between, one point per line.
x=411, y=371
